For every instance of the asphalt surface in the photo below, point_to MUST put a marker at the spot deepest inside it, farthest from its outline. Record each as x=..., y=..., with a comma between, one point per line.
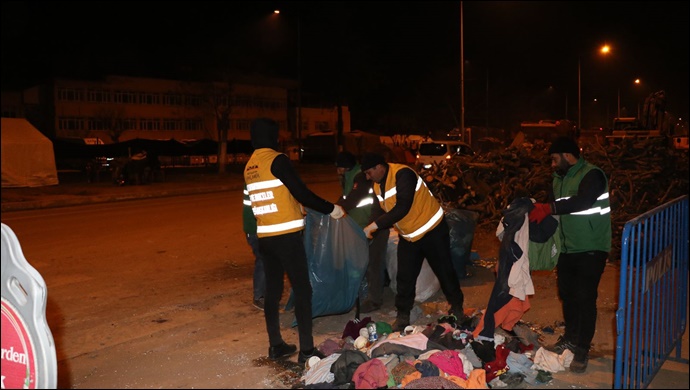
x=74, y=189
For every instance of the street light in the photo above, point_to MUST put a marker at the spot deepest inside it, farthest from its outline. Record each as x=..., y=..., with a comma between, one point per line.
x=462, y=78
x=299, y=85
x=637, y=82
x=604, y=50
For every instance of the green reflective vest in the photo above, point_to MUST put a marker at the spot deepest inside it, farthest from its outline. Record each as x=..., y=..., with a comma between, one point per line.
x=585, y=230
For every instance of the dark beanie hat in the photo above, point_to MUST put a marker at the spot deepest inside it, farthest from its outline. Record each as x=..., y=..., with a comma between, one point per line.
x=345, y=160
x=264, y=133
x=565, y=145
x=370, y=160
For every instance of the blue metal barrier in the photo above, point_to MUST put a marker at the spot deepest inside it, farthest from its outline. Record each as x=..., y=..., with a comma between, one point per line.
x=652, y=305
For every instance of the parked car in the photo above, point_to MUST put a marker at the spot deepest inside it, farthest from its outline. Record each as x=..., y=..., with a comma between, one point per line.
x=431, y=152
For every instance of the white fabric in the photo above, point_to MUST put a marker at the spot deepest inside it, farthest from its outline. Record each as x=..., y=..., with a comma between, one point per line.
x=28, y=159
x=552, y=362
x=321, y=371
x=337, y=212
x=519, y=280
x=427, y=282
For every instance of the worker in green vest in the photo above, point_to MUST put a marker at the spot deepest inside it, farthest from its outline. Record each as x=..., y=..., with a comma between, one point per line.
x=581, y=199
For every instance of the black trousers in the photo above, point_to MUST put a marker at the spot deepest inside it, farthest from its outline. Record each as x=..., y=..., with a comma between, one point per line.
x=578, y=276
x=376, y=269
x=286, y=254
x=435, y=247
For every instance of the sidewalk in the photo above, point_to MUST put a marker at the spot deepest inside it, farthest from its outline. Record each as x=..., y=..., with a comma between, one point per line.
x=73, y=188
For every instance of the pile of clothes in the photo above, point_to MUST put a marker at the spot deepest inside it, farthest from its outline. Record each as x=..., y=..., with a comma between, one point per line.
x=443, y=354
x=491, y=349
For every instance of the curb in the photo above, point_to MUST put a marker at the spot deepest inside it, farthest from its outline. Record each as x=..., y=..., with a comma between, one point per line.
x=76, y=200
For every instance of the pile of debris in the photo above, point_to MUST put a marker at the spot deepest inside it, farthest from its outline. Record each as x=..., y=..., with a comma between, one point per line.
x=643, y=174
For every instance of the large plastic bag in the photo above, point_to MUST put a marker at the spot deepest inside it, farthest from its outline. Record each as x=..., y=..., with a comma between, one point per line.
x=427, y=282
x=461, y=224
x=338, y=255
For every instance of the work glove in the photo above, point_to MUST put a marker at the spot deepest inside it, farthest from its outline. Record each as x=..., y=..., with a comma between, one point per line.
x=337, y=212
x=371, y=228
x=539, y=212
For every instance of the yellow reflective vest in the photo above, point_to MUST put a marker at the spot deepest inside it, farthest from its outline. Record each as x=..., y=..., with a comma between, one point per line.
x=276, y=210
x=425, y=214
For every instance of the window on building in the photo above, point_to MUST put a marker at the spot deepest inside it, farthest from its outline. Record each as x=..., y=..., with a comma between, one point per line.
x=71, y=123
x=172, y=124
x=150, y=124
x=172, y=99
x=149, y=98
x=124, y=97
x=193, y=100
x=98, y=96
x=193, y=124
x=129, y=124
x=97, y=124
x=69, y=94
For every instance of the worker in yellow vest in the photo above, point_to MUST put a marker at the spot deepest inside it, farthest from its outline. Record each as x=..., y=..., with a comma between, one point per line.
x=277, y=195
x=410, y=207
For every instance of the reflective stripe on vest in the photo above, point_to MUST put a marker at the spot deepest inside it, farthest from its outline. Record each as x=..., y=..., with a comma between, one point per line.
x=426, y=226
x=245, y=200
x=394, y=191
x=265, y=185
x=425, y=209
x=592, y=210
x=366, y=201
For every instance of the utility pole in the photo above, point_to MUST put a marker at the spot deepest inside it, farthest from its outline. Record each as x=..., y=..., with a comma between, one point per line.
x=299, y=87
x=462, y=77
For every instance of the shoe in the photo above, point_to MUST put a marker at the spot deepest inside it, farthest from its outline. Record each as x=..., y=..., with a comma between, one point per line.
x=368, y=306
x=259, y=303
x=401, y=322
x=303, y=357
x=461, y=319
x=281, y=350
x=561, y=345
x=578, y=366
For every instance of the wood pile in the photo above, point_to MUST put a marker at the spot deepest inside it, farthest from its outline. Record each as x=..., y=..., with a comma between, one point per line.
x=643, y=174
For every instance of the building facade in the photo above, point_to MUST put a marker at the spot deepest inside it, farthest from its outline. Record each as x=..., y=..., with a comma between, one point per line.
x=120, y=108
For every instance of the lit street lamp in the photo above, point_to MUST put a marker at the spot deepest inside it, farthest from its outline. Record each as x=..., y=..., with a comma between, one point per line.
x=299, y=86
x=604, y=50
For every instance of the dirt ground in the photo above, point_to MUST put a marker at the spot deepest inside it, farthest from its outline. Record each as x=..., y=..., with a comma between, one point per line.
x=545, y=314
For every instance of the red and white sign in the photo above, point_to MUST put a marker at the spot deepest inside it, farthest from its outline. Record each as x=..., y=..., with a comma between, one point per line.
x=18, y=356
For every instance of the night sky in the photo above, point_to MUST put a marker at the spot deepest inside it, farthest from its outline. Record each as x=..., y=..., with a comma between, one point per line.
x=396, y=64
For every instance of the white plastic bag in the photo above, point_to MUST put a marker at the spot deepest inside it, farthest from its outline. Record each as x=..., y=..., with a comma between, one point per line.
x=427, y=282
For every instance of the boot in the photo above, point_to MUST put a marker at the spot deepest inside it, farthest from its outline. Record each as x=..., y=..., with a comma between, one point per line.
x=401, y=321
x=281, y=350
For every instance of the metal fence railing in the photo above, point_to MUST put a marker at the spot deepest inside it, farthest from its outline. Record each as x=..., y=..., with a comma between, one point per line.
x=652, y=309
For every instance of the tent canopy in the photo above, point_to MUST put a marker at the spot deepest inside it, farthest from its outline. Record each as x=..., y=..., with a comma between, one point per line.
x=27, y=155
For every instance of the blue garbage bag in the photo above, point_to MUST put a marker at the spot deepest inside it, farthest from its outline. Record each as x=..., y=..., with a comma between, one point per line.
x=338, y=255
x=461, y=224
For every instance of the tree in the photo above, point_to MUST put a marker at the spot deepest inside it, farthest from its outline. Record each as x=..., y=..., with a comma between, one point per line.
x=218, y=97
x=112, y=120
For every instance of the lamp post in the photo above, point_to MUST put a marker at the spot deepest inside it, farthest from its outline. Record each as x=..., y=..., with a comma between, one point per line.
x=604, y=50
x=462, y=78
x=299, y=85
x=579, y=96
x=299, y=89
x=637, y=82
